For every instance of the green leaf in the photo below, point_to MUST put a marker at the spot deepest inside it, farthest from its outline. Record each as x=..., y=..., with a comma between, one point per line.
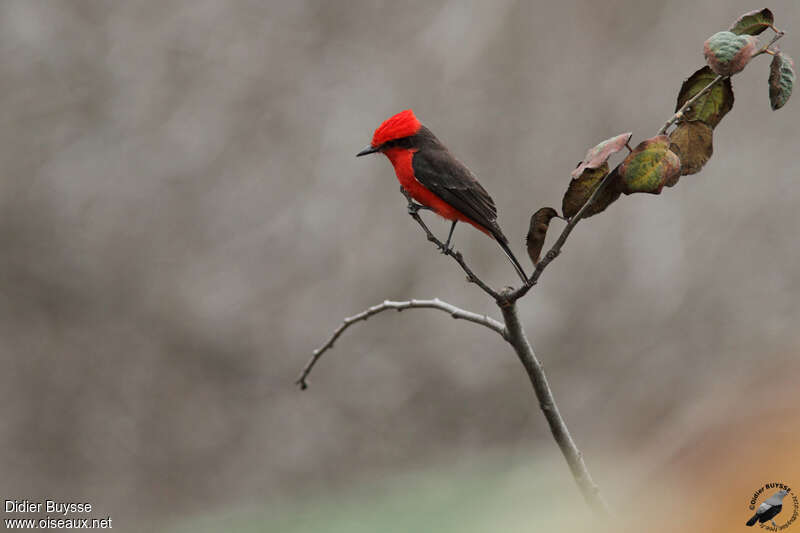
x=693, y=143
x=711, y=107
x=753, y=23
x=598, y=155
x=781, y=80
x=727, y=53
x=649, y=166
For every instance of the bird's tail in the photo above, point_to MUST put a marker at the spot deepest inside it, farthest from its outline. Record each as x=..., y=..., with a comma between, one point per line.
x=753, y=520
x=504, y=245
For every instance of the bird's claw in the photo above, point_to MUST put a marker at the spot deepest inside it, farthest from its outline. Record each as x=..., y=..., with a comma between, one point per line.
x=414, y=208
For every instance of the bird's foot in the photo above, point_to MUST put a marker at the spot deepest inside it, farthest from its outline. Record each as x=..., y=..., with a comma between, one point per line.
x=445, y=248
x=414, y=208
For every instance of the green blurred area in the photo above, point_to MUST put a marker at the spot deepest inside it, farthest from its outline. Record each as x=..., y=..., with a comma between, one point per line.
x=487, y=496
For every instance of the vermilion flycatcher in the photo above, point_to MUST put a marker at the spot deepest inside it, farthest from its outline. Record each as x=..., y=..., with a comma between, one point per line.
x=436, y=179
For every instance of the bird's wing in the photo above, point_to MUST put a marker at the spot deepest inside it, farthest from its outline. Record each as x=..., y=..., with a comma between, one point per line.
x=450, y=180
x=763, y=508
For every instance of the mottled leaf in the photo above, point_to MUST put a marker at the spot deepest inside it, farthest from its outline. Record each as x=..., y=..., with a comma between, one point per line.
x=781, y=80
x=649, y=166
x=581, y=188
x=597, y=156
x=753, y=23
x=693, y=143
x=537, y=232
x=712, y=106
x=607, y=196
x=727, y=53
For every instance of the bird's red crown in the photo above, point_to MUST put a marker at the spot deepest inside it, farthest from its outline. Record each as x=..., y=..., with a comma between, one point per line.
x=403, y=124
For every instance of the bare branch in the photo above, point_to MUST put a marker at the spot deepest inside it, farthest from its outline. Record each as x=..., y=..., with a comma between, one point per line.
x=436, y=303
x=413, y=209
x=547, y=403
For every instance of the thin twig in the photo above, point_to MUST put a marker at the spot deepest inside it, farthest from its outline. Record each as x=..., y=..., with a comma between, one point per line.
x=547, y=403
x=768, y=47
x=436, y=303
x=680, y=112
x=413, y=209
x=555, y=250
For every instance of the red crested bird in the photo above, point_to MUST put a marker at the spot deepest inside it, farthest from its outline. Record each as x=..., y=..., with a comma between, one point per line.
x=437, y=180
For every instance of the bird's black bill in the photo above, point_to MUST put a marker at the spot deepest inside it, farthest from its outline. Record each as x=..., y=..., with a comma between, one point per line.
x=366, y=151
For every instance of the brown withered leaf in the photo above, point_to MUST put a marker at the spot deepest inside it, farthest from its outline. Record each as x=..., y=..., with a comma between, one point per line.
x=537, y=232
x=693, y=142
x=597, y=156
x=711, y=107
x=581, y=188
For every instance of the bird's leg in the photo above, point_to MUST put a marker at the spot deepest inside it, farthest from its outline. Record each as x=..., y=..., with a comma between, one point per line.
x=773, y=523
x=449, y=237
x=413, y=207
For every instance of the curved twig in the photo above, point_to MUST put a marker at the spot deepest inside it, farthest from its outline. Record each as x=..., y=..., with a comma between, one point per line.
x=436, y=303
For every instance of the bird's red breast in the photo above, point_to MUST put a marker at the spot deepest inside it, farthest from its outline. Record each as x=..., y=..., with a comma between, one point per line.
x=401, y=159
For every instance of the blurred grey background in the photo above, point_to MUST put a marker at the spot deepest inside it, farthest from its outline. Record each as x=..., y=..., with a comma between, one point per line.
x=183, y=221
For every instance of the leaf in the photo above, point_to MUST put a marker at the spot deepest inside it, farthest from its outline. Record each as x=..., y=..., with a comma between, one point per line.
x=537, y=232
x=581, y=188
x=610, y=193
x=692, y=142
x=753, y=23
x=712, y=106
x=781, y=80
x=727, y=53
x=649, y=166
x=597, y=156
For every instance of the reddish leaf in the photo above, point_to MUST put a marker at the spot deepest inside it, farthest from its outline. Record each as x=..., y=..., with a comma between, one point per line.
x=727, y=53
x=598, y=155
